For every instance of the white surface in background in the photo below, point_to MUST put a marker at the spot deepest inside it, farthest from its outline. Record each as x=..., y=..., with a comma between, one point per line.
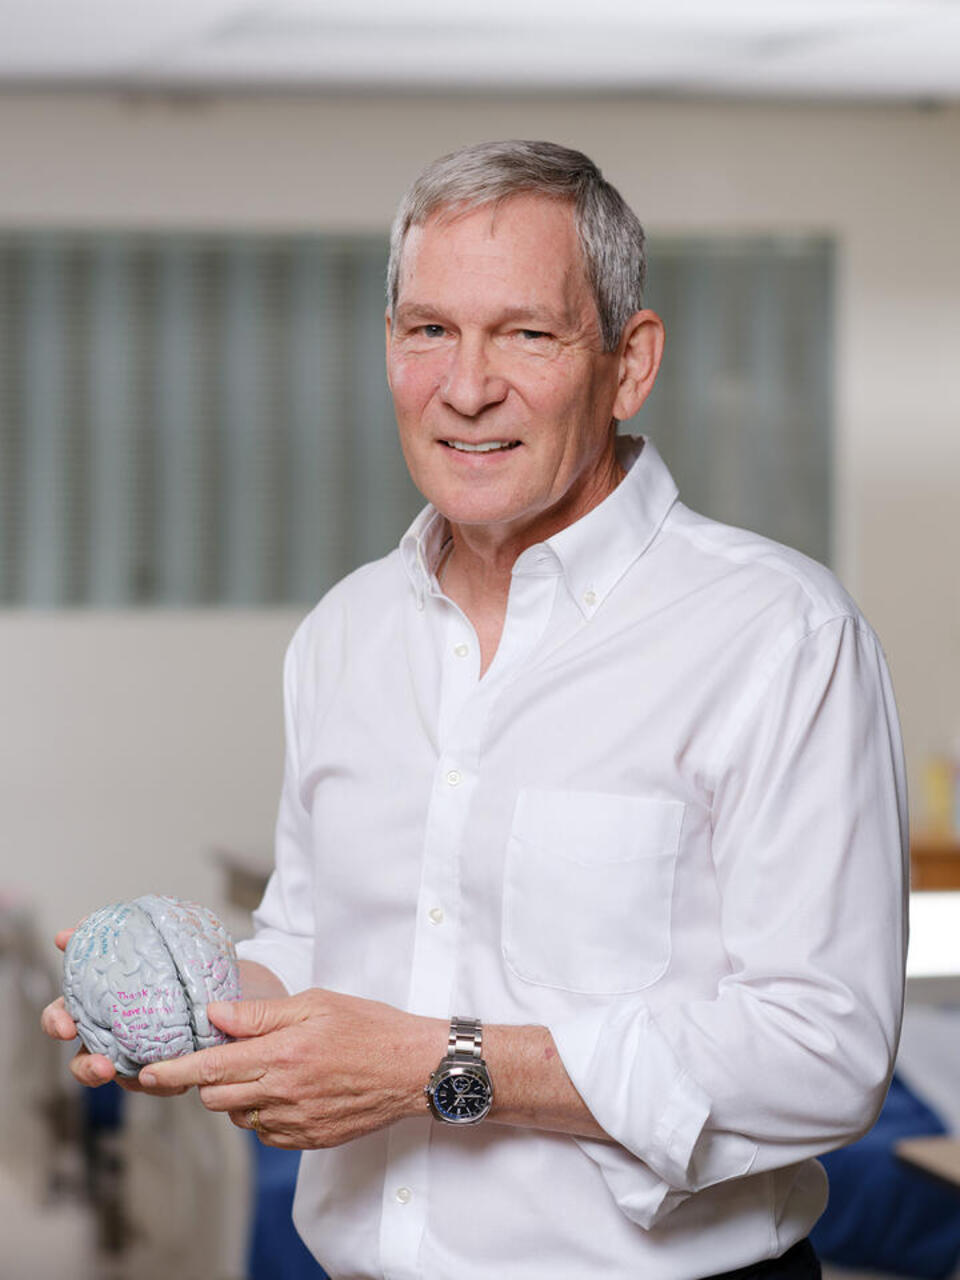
x=934, y=935
x=806, y=48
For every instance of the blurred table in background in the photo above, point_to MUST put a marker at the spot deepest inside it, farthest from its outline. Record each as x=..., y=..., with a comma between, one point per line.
x=934, y=861
x=938, y=1156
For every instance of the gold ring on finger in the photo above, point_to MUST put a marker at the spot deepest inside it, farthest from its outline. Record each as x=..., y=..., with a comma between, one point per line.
x=253, y=1118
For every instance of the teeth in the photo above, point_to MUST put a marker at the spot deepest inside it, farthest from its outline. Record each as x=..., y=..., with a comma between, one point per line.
x=488, y=446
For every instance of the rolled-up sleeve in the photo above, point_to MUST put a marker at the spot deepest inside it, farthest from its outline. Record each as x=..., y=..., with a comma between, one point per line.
x=793, y=1053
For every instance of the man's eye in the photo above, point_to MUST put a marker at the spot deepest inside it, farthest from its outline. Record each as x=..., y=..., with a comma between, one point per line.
x=532, y=334
x=432, y=330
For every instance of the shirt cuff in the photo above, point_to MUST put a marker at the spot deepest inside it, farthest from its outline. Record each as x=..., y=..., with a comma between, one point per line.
x=292, y=964
x=635, y=1088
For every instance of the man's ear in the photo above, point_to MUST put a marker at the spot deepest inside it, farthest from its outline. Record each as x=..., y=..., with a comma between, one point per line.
x=641, y=350
x=388, y=330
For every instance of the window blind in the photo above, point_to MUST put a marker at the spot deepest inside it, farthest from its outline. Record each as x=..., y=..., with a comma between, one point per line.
x=200, y=420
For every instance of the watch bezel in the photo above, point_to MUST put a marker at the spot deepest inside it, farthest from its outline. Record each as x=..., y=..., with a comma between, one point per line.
x=450, y=1068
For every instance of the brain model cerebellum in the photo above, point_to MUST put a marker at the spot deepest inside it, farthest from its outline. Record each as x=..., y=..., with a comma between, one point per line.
x=137, y=977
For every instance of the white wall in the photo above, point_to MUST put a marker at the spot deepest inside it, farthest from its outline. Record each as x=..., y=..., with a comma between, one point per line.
x=132, y=743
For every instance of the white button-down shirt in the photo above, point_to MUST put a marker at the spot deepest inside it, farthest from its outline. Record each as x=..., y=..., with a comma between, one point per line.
x=668, y=823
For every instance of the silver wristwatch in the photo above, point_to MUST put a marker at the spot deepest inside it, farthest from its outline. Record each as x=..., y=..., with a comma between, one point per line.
x=460, y=1090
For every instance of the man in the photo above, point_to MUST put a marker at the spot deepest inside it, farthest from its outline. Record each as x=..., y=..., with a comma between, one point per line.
x=619, y=785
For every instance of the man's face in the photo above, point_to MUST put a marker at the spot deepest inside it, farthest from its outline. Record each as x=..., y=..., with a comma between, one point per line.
x=503, y=394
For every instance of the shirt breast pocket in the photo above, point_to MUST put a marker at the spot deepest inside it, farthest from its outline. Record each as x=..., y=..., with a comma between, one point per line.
x=587, y=889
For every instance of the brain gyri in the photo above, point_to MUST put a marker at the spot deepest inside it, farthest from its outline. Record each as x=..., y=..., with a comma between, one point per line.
x=137, y=977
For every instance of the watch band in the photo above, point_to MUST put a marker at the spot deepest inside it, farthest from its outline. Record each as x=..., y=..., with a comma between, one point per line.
x=460, y=1091
x=466, y=1038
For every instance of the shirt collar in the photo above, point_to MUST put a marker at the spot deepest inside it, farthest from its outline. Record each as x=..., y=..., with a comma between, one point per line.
x=597, y=550
x=593, y=553
x=420, y=549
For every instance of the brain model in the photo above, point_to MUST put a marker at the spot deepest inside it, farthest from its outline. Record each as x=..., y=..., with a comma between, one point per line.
x=137, y=977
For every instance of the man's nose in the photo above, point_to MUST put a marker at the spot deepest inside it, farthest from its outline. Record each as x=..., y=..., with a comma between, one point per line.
x=472, y=382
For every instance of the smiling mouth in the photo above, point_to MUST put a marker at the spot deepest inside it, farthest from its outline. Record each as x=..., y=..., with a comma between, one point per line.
x=485, y=446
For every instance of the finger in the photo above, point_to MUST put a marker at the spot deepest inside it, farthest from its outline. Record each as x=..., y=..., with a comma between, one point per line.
x=56, y=1022
x=92, y=1069
x=245, y=1018
x=63, y=937
x=250, y=1118
x=237, y=1098
x=224, y=1064
x=132, y=1085
x=255, y=1121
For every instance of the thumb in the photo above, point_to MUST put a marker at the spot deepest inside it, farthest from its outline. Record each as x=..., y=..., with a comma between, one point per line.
x=244, y=1018
x=63, y=937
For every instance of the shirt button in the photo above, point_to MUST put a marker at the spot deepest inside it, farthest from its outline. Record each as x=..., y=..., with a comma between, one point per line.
x=404, y=1195
x=590, y=598
x=436, y=915
x=454, y=778
x=461, y=650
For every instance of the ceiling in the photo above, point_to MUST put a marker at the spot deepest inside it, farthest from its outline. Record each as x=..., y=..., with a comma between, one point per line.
x=846, y=49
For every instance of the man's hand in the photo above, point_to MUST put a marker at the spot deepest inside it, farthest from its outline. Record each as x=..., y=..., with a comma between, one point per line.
x=95, y=1069
x=313, y=1070
x=318, y=1069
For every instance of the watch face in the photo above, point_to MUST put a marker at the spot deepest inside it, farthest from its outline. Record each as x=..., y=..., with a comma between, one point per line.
x=462, y=1095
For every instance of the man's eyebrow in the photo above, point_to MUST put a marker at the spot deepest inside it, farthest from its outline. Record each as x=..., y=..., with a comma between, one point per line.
x=542, y=316
x=408, y=311
x=532, y=315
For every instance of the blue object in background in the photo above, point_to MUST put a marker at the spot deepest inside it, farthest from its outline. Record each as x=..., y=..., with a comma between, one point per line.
x=103, y=1108
x=882, y=1214
x=276, y=1251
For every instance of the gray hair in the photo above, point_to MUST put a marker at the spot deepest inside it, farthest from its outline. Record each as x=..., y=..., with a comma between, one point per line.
x=610, y=233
